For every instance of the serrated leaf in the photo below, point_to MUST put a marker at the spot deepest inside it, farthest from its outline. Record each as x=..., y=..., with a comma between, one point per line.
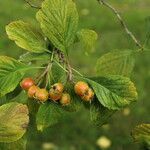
x=88, y=39
x=17, y=145
x=113, y=92
x=116, y=63
x=26, y=36
x=14, y=120
x=141, y=133
x=59, y=21
x=99, y=115
x=29, y=57
x=48, y=115
x=11, y=72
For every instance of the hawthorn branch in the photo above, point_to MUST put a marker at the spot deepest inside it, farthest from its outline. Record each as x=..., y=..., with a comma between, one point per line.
x=123, y=24
x=33, y=6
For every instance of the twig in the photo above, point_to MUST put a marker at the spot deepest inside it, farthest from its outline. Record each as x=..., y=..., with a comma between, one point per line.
x=122, y=22
x=70, y=74
x=64, y=60
x=48, y=67
x=61, y=66
x=44, y=73
x=33, y=6
x=77, y=72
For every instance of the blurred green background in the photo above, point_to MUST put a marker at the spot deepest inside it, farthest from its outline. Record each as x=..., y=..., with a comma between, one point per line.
x=76, y=132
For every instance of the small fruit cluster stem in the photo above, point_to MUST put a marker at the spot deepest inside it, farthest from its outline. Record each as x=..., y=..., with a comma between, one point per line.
x=56, y=92
x=64, y=60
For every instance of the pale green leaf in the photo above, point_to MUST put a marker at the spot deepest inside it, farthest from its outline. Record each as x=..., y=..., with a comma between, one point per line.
x=116, y=63
x=14, y=120
x=88, y=39
x=59, y=21
x=141, y=133
x=113, y=92
x=48, y=115
x=11, y=72
x=26, y=36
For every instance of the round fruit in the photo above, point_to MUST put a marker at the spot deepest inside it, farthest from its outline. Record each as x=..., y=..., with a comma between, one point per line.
x=58, y=87
x=88, y=96
x=81, y=88
x=41, y=95
x=27, y=83
x=65, y=100
x=54, y=95
x=32, y=90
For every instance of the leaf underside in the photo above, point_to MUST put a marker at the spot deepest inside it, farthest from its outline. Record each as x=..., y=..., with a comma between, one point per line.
x=26, y=36
x=14, y=120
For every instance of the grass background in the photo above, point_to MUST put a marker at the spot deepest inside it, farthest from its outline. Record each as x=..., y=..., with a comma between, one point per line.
x=76, y=132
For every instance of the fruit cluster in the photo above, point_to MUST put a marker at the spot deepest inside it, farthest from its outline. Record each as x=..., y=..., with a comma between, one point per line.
x=56, y=92
x=83, y=90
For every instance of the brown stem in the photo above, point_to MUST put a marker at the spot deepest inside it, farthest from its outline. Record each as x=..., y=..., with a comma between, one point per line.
x=33, y=6
x=44, y=73
x=63, y=60
x=70, y=74
x=123, y=24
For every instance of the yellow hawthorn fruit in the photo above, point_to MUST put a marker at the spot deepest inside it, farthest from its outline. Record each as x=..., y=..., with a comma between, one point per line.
x=66, y=99
x=55, y=96
x=41, y=95
x=56, y=91
x=89, y=95
x=81, y=88
x=32, y=90
x=27, y=83
x=58, y=87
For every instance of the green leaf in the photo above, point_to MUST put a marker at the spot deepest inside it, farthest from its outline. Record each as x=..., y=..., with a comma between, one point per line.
x=3, y=100
x=99, y=115
x=116, y=63
x=36, y=3
x=88, y=39
x=11, y=72
x=141, y=133
x=59, y=21
x=17, y=145
x=48, y=115
x=26, y=36
x=14, y=120
x=58, y=74
x=113, y=92
x=29, y=57
x=22, y=97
